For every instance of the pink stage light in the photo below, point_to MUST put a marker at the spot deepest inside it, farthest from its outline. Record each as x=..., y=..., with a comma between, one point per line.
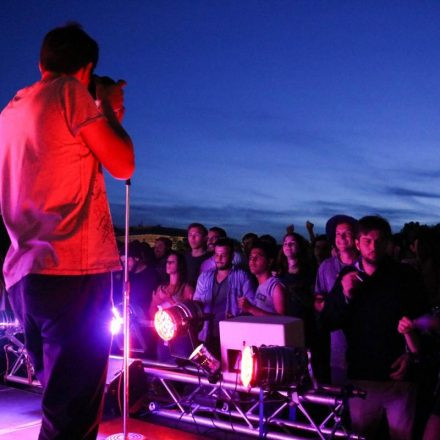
x=116, y=322
x=179, y=319
x=164, y=325
x=274, y=366
x=247, y=366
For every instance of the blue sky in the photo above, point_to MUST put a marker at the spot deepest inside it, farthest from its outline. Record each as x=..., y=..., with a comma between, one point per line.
x=253, y=115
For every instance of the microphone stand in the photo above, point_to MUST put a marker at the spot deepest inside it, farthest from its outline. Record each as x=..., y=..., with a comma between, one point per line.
x=125, y=435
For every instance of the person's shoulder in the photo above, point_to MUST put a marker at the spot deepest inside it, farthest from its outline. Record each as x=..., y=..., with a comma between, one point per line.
x=398, y=267
x=206, y=275
x=406, y=270
x=274, y=281
x=207, y=264
x=239, y=272
x=238, y=258
x=71, y=90
x=328, y=264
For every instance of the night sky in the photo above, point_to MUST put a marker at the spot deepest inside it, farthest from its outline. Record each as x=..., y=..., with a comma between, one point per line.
x=252, y=115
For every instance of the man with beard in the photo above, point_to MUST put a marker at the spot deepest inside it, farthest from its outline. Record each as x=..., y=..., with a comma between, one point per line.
x=367, y=302
x=216, y=233
x=219, y=290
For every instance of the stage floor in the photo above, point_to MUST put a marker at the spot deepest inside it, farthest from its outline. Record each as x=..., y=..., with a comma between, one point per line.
x=20, y=420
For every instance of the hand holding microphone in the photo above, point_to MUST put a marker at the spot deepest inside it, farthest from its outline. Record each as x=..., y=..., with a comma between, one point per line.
x=109, y=94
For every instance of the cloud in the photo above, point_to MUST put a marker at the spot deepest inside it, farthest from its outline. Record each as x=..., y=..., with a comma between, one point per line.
x=239, y=219
x=418, y=174
x=405, y=192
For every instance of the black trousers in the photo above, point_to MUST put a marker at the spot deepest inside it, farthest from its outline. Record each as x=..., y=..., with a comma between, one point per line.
x=66, y=321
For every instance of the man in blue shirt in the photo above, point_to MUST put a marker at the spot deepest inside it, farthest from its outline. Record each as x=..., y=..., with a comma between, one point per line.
x=219, y=290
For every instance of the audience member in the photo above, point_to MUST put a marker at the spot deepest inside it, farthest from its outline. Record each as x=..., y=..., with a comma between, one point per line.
x=321, y=249
x=173, y=291
x=426, y=260
x=215, y=233
x=271, y=242
x=162, y=248
x=409, y=328
x=341, y=231
x=220, y=291
x=143, y=281
x=197, y=237
x=270, y=296
x=296, y=272
x=246, y=243
x=367, y=302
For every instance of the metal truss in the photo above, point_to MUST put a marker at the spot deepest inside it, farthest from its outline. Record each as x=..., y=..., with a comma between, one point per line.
x=191, y=397
x=18, y=366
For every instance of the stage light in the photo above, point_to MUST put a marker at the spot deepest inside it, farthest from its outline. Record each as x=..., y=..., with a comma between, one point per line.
x=178, y=319
x=116, y=322
x=247, y=365
x=202, y=357
x=8, y=321
x=274, y=366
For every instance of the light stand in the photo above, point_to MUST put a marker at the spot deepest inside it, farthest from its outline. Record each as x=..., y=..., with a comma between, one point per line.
x=125, y=435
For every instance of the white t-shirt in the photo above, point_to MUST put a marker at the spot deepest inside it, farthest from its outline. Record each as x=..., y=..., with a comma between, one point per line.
x=52, y=192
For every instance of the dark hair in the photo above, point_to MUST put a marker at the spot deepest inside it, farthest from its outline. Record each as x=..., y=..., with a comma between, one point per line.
x=67, y=49
x=267, y=249
x=136, y=249
x=303, y=254
x=226, y=242
x=142, y=251
x=166, y=241
x=181, y=265
x=335, y=221
x=374, y=223
x=321, y=237
x=220, y=231
x=267, y=238
x=199, y=226
x=249, y=235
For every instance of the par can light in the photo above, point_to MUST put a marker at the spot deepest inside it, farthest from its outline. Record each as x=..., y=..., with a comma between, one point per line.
x=273, y=366
x=9, y=322
x=202, y=357
x=176, y=320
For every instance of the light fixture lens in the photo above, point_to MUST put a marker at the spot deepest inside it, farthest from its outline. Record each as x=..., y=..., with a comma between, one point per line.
x=116, y=322
x=247, y=365
x=204, y=359
x=164, y=325
x=8, y=320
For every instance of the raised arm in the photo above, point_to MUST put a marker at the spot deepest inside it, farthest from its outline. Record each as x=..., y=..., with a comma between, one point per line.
x=106, y=137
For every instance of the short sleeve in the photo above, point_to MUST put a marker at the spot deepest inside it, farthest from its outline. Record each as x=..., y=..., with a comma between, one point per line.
x=78, y=105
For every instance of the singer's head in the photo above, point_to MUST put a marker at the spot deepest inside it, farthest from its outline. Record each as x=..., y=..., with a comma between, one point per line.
x=67, y=49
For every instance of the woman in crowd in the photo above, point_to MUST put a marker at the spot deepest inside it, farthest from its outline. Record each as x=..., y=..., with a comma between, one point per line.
x=295, y=270
x=175, y=290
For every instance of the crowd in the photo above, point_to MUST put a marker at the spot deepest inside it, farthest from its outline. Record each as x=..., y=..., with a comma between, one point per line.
x=367, y=299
